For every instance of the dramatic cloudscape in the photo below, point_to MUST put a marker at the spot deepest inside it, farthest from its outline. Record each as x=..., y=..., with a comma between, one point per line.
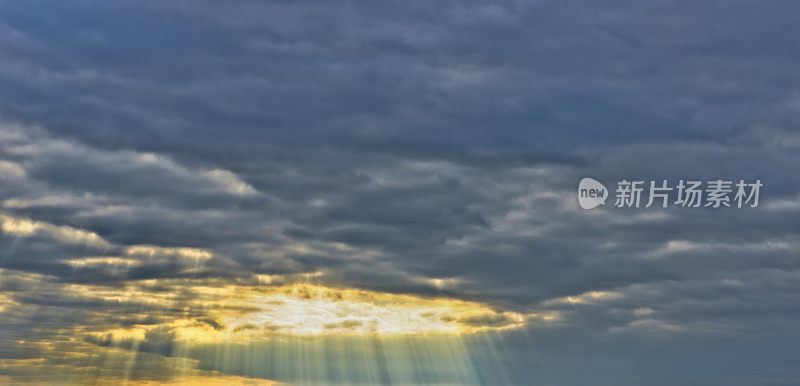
x=348, y=192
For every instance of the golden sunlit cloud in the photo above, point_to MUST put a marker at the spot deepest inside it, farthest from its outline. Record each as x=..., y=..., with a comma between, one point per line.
x=124, y=328
x=152, y=250
x=585, y=298
x=214, y=311
x=304, y=309
x=236, y=313
x=25, y=227
x=127, y=324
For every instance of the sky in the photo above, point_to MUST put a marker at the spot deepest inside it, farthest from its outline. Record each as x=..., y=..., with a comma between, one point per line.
x=355, y=192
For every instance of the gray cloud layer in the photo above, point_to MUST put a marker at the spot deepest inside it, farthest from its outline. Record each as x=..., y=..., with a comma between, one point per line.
x=386, y=145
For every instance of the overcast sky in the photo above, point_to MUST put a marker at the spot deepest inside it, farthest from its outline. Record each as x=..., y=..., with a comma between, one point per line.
x=422, y=148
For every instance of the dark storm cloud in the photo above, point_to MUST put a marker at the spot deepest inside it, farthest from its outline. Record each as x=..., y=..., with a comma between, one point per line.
x=387, y=145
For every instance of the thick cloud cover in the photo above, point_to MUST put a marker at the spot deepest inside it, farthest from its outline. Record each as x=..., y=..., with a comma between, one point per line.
x=428, y=148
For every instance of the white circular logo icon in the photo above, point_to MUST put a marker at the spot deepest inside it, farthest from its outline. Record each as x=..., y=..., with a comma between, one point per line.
x=591, y=193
